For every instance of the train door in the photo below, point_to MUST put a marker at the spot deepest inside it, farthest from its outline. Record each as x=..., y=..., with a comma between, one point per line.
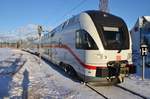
x=80, y=50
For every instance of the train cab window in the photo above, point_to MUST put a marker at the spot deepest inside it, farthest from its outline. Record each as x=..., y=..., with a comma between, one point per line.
x=85, y=41
x=114, y=38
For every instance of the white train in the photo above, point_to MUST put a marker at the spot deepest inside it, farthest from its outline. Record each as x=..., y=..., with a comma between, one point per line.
x=94, y=45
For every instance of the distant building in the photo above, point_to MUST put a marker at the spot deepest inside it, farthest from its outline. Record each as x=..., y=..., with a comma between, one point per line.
x=140, y=33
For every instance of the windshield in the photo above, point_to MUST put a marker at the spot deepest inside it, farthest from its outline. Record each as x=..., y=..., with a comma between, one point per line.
x=113, y=37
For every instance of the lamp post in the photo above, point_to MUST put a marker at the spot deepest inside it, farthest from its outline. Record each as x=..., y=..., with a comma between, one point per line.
x=40, y=34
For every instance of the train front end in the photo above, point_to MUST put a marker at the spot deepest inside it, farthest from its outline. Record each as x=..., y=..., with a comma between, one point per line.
x=109, y=54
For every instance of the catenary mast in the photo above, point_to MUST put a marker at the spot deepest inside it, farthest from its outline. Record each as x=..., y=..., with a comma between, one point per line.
x=103, y=6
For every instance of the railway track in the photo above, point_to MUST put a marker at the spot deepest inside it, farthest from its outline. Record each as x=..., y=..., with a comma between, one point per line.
x=94, y=89
x=115, y=92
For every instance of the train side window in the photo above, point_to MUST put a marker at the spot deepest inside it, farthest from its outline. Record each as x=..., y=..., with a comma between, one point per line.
x=85, y=41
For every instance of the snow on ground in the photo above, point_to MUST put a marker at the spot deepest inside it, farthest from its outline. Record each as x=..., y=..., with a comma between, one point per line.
x=9, y=64
x=46, y=81
x=34, y=81
x=12, y=64
x=5, y=53
x=136, y=84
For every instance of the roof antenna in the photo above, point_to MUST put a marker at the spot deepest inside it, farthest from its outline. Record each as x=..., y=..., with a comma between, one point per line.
x=103, y=6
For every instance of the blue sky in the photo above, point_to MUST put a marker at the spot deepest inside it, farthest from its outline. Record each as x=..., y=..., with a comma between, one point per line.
x=50, y=13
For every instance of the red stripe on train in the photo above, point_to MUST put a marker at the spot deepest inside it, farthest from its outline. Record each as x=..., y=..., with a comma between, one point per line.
x=75, y=56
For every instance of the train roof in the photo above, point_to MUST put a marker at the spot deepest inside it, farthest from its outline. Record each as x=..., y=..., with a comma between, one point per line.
x=105, y=18
x=100, y=14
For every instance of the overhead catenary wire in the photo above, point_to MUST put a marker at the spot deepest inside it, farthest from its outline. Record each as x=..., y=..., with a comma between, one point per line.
x=74, y=8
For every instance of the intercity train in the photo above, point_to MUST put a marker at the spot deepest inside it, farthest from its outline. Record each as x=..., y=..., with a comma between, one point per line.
x=94, y=45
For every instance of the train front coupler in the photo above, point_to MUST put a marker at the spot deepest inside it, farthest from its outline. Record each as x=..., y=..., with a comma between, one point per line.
x=118, y=70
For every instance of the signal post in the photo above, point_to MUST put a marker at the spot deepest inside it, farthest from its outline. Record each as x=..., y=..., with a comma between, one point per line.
x=144, y=52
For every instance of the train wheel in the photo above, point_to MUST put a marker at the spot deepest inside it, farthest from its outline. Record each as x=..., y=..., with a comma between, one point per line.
x=63, y=66
x=68, y=69
x=71, y=71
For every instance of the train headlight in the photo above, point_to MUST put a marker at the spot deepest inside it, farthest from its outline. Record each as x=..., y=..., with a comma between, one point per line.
x=101, y=56
x=105, y=57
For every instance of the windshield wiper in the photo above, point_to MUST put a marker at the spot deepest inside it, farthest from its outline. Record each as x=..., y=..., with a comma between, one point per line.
x=120, y=47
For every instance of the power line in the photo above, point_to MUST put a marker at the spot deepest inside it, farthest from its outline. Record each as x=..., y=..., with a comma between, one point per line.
x=81, y=3
x=74, y=8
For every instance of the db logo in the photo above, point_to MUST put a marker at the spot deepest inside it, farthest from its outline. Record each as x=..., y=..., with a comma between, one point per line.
x=118, y=57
